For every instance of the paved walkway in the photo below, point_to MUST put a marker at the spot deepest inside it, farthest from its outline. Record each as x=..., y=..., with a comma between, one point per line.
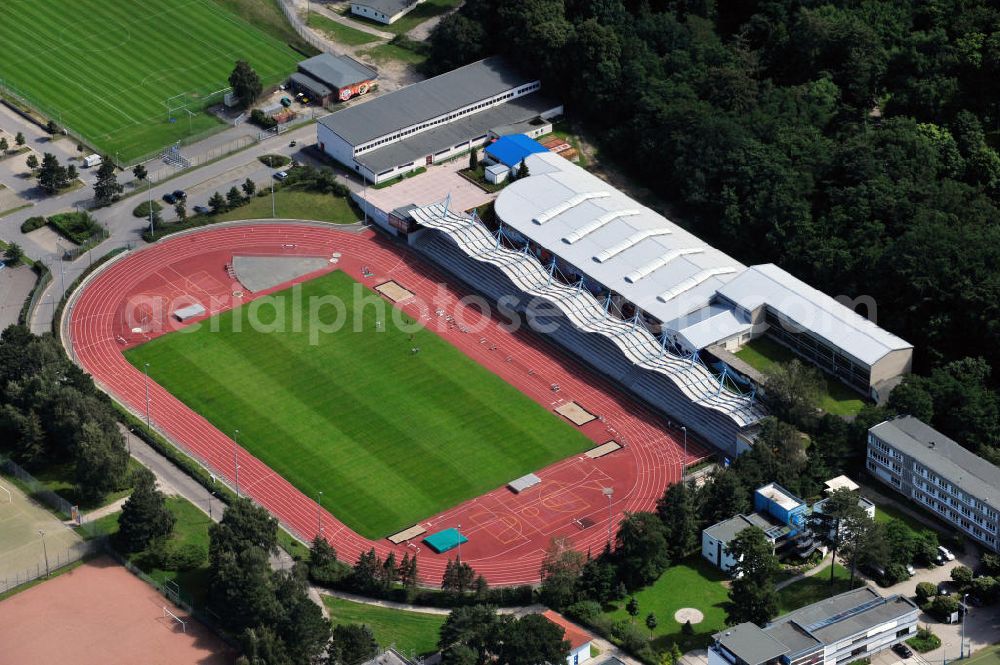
x=820, y=567
x=172, y=480
x=351, y=23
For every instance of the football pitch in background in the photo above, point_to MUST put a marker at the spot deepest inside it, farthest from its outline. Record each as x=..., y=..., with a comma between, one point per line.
x=389, y=435
x=107, y=68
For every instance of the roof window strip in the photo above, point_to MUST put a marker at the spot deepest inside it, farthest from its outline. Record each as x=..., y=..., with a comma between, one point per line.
x=657, y=263
x=596, y=224
x=629, y=242
x=555, y=211
x=694, y=281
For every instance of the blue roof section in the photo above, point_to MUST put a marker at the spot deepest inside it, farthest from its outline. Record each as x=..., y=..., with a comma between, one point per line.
x=442, y=541
x=511, y=150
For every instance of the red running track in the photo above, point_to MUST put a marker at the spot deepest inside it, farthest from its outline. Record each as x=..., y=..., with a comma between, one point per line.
x=507, y=533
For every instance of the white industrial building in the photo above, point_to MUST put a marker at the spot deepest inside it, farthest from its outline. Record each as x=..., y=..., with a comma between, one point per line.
x=383, y=11
x=642, y=297
x=433, y=120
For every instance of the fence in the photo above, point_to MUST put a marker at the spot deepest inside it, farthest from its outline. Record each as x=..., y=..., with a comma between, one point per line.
x=303, y=31
x=52, y=563
x=21, y=99
x=36, y=489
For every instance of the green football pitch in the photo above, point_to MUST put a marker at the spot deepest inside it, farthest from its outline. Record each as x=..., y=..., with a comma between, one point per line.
x=389, y=436
x=107, y=68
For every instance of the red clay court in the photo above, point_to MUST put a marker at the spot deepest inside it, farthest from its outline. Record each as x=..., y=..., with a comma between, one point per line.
x=100, y=614
x=507, y=532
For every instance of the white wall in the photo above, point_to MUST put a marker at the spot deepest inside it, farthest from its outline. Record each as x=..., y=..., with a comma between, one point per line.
x=710, y=550
x=335, y=146
x=579, y=655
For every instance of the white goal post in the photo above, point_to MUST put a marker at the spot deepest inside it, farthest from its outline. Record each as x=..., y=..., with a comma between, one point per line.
x=182, y=622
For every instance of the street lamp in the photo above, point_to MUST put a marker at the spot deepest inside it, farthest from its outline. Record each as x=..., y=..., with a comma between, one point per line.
x=685, y=460
x=45, y=551
x=965, y=612
x=460, y=542
x=319, y=513
x=609, y=492
x=236, y=460
x=145, y=369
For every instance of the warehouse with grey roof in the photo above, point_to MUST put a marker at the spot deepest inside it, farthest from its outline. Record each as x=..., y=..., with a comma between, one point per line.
x=848, y=627
x=432, y=120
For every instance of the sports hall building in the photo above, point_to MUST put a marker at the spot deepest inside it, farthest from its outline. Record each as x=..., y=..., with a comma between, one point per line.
x=640, y=299
x=432, y=120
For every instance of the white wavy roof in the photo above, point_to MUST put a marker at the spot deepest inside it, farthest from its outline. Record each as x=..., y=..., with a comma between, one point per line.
x=610, y=237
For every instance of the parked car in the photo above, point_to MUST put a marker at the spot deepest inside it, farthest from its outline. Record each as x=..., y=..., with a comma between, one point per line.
x=180, y=194
x=902, y=650
x=170, y=198
x=281, y=175
x=945, y=553
x=201, y=210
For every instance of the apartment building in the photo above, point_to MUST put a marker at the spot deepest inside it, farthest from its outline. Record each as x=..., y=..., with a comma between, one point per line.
x=936, y=472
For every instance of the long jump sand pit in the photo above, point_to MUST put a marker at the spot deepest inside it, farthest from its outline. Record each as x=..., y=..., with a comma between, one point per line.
x=100, y=614
x=394, y=291
x=575, y=413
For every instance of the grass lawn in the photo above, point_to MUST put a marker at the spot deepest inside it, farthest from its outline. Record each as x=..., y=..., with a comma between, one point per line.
x=137, y=55
x=191, y=528
x=338, y=32
x=692, y=583
x=292, y=204
x=389, y=436
x=386, y=52
x=411, y=632
x=563, y=131
x=266, y=16
x=986, y=656
x=815, y=588
x=887, y=513
x=425, y=10
x=764, y=353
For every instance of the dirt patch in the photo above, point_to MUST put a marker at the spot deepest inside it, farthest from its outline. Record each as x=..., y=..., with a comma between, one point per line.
x=100, y=614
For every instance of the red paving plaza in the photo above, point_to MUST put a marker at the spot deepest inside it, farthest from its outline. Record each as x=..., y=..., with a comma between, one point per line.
x=507, y=532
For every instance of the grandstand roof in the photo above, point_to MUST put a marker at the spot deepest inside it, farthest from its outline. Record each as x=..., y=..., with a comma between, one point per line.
x=666, y=271
x=812, y=310
x=425, y=100
x=337, y=71
x=651, y=261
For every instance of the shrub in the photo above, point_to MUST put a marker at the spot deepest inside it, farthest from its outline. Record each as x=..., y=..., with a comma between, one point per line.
x=142, y=210
x=262, y=120
x=584, y=610
x=962, y=576
x=78, y=227
x=924, y=641
x=925, y=591
x=186, y=557
x=942, y=607
x=32, y=223
x=274, y=161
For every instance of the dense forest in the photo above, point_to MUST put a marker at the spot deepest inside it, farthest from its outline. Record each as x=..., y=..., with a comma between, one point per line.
x=853, y=143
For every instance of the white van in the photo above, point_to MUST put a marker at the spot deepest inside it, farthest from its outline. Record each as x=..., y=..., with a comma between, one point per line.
x=91, y=160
